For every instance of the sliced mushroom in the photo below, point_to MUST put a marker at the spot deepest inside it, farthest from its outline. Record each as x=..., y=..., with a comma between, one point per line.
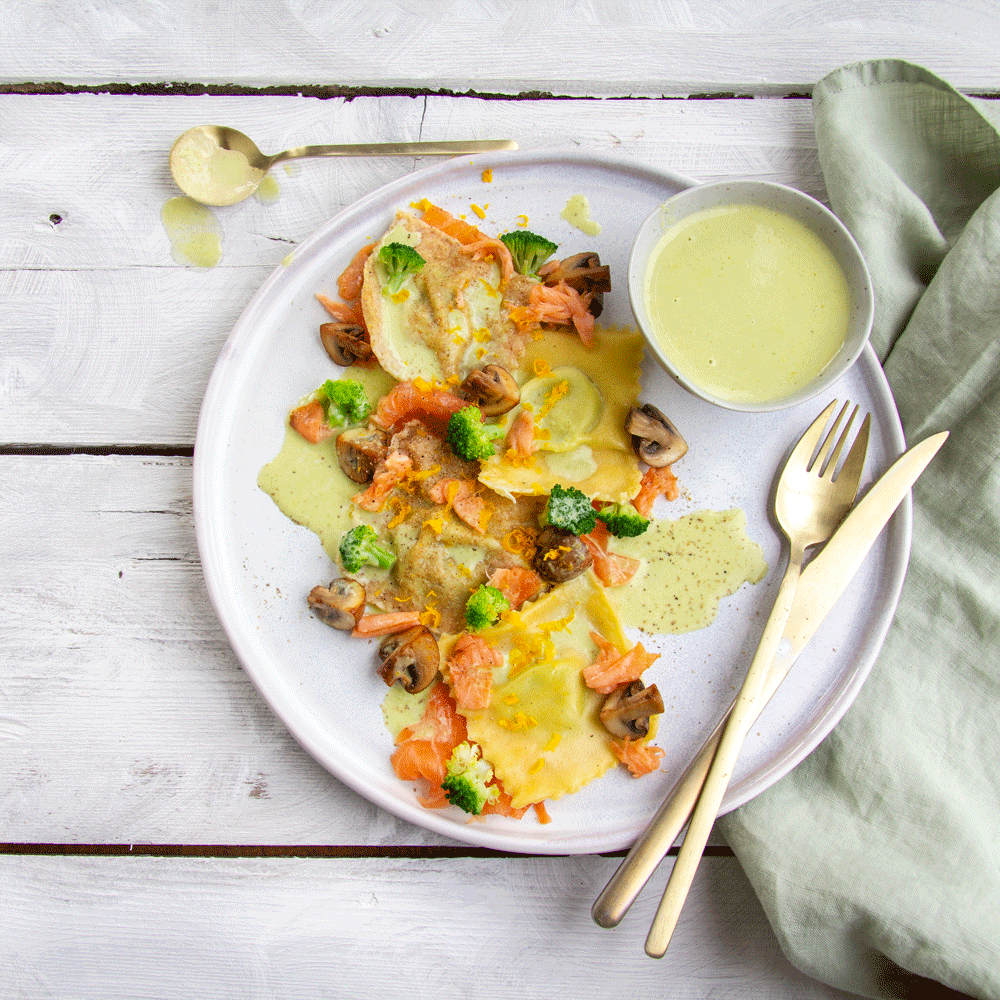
x=492, y=389
x=359, y=451
x=560, y=555
x=340, y=605
x=346, y=343
x=655, y=439
x=585, y=273
x=411, y=657
x=626, y=711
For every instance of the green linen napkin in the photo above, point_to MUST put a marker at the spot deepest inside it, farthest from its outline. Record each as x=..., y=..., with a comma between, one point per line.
x=877, y=859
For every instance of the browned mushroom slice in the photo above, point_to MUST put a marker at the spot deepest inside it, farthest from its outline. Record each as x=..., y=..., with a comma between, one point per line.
x=346, y=343
x=560, y=555
x=340, y=605
x=359, y=451
x=492, y=388
x=655, y=439
x=585, y=273
x=626, y=711
x=411, y=657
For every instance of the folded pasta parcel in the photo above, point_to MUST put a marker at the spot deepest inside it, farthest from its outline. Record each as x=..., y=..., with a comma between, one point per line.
x=449, y=315
x=539, y=723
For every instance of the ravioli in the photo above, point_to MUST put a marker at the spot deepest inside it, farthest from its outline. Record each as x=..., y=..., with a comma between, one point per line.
x=542, y=730
x=580, y=398
x=449, y=317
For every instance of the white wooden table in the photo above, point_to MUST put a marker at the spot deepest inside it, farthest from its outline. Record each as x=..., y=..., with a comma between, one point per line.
x=163, y=834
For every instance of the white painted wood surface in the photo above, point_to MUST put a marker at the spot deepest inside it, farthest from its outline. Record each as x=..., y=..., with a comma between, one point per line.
x=304, y=929
x=124, y=716
x=581, y=48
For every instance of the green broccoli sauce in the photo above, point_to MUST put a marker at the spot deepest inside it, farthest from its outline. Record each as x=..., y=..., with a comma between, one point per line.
x=686, y=567
x=307, y=484
x=577, y=213
x=400, y=709
x=305, y=480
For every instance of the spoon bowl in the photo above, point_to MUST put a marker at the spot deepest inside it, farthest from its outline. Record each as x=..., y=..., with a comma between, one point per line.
x=218, y=165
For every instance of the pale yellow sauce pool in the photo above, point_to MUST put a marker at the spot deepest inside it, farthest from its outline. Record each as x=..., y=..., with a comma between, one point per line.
x=305, y=480
x=194, y=232
x=687, y=567
x=747, y=303
x=577, y=213
x=269, y=190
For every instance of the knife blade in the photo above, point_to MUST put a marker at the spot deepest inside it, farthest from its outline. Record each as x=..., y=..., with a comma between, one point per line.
x=823, y=581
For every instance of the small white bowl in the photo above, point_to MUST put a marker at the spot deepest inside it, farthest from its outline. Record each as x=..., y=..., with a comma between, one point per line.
x=789, y=202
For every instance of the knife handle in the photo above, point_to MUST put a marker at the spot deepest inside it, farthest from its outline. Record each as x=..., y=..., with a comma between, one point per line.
x=741, y=719
x=655, y=841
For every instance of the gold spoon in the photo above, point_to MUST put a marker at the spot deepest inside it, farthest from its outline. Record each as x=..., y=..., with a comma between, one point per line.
x=217, y=165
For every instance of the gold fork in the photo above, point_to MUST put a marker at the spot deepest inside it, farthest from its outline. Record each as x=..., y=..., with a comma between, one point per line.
x=811, y=498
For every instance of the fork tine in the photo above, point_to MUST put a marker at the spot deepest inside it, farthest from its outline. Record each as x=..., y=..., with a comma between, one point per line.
x=829, y=468
x=854, y=464
x=806, y=446
x=824, y=461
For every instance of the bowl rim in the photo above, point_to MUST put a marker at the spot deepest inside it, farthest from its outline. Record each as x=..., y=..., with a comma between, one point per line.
x=748, y=191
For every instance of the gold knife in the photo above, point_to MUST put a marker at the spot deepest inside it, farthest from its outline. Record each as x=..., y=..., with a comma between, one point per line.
x=821, y=584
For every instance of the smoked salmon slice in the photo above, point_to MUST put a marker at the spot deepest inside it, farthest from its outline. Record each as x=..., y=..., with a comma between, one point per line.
x=516, y=583
x=640, y=758
x=470, y=668
x=611, y=668
x=406, y=401
x=654, y=483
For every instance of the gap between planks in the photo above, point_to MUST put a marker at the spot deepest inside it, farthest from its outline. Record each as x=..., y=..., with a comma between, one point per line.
x=290, y=851
x=325, y=92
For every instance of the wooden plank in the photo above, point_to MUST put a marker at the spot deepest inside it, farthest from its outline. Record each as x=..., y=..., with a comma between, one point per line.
x=109, y=341
x=605, y=48
x=127, y=717
x=293, y=928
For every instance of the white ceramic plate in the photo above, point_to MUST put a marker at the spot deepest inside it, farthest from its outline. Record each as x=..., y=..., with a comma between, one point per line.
x=259, y=566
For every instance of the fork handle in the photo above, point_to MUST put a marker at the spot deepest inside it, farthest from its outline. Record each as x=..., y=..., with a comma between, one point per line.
x=741, y=718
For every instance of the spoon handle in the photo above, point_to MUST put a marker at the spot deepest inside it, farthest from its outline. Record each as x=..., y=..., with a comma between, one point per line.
x=740, y=720
x=397, y=149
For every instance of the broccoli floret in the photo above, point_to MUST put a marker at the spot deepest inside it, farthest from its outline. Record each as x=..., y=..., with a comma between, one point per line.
x=344, y=402
x=466, y=782
x=469, y=437
x=399, y=261
x=484, y=607
x=569, y=508
x=623, y=520
x=360, y=547
x=528, y=250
